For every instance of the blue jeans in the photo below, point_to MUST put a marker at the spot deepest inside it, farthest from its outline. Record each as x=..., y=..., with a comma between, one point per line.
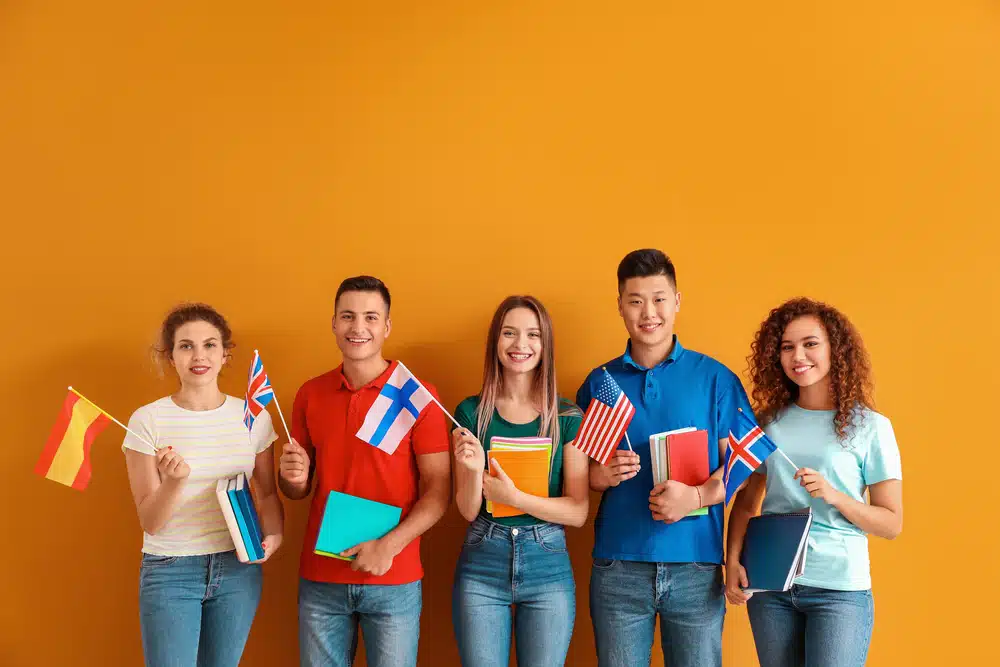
x=527, y=567
x=814, y=627
x=329, y=616
x=626, y=596
x=196, y=610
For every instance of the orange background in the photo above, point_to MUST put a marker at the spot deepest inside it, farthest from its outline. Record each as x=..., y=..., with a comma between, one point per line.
x=252, y=154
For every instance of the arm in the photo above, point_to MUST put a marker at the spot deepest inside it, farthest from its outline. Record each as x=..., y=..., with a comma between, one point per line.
x=376, y=556
x=272, y=512
x=746, y=504
x=623, y=465
x=470, y=461
x=882, y=517
x=671, y=501
x=570, y=509
x=156, y=482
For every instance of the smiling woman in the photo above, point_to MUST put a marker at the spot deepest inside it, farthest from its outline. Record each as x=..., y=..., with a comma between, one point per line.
x=198, y=437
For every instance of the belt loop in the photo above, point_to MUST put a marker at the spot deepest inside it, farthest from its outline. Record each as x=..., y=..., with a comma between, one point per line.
x=538, y=536
x=489, y=529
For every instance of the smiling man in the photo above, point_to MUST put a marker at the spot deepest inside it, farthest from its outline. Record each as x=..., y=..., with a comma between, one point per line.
x=650, y=557
x=380, y=589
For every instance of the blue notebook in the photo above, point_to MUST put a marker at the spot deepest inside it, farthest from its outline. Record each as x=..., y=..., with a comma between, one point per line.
x=246, y=516
x=349, y=520
x=774, y=550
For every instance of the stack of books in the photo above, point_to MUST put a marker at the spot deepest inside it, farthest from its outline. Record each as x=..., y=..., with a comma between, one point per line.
x=241, y=517
x=681, y=455
x=527, y=461
x=774, y=550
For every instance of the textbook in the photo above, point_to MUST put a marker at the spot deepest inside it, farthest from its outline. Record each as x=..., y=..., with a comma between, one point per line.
x=240, y=513
x=349, y=520
x=527, y=461
x=681, y=455
x=774, y=550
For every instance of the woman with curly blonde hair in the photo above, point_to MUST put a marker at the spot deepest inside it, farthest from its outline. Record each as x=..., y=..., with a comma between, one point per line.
x=812, y=392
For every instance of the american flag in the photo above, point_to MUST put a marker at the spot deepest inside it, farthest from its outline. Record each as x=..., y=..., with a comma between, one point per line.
x=259, y=392
x=605, y=421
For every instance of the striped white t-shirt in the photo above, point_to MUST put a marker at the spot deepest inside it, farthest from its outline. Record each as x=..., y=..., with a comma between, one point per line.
x=215, y=444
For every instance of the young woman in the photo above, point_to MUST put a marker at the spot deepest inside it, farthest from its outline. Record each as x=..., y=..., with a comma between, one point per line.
x=196, y=600
x=813, y=394
x=520, y=560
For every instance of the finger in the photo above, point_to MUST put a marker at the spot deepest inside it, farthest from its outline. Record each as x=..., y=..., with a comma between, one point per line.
x=499, y=471
x=743, y=578
x=353, y=551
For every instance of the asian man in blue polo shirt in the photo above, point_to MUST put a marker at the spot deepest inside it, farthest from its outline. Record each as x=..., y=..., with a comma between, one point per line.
x=650, y=558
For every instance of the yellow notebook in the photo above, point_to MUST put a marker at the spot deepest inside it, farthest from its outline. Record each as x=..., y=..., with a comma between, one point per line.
x=528, y=469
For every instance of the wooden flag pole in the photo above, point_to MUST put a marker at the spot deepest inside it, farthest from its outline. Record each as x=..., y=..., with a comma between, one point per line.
x=448, y=414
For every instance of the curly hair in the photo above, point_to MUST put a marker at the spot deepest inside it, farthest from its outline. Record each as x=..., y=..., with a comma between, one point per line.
x=850, y=367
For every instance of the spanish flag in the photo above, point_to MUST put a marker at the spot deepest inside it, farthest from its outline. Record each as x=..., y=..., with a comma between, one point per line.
x=66, y=458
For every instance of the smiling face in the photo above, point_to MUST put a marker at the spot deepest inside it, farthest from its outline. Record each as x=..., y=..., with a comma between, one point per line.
x=361, y=324
x=648, y=305
x=198, y=354
x=805, y=351
x=519, y=346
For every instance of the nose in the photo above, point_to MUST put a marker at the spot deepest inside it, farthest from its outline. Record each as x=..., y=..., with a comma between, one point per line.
x=649, y=310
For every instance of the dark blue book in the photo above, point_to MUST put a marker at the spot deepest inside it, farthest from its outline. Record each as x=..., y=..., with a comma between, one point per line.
x=774, y=550
x=246, y=516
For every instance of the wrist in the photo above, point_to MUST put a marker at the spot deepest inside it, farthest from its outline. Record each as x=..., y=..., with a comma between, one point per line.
x=696, y=497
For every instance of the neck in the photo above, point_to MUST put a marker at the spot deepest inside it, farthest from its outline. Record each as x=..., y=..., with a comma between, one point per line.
x=649, y=356
x=360, y=373
x=816, y=396
x=517, y=387
x=206, y=397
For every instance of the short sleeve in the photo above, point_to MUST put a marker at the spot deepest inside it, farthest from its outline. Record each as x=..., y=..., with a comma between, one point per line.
x=141, y=432
x=430, y=432
x=569, y=422
x=300, y=422
x=882, y=460
x=583, y=395
x=262, y=435
x=731, y=398
x=465, y=413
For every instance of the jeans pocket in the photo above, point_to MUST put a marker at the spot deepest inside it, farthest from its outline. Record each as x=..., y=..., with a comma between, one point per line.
x=152, y=560
x=474, y=536
x=554, y=542
x=705, y=567
x=604, y=563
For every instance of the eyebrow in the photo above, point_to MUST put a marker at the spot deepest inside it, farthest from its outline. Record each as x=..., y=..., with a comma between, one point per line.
x=659, y=291
x=367, y=312
x=513, y=328
x=809, y=337
x=188, y=340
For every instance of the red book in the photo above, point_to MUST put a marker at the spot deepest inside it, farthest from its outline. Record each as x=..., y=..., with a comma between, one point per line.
x=687, y=459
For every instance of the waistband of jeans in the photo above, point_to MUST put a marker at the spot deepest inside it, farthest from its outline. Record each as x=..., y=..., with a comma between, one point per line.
x=537, y=530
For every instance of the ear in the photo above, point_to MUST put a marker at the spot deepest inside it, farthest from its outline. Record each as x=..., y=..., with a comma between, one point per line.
x=388, y=326
x=677, y=305
x=333, y=324
x=620, y=311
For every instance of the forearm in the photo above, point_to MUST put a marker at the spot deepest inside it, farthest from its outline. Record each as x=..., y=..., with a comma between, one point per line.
x=425, y=513
x=157, y=507
x=872, y=519
x=739, y=517
x=272, y=514
x=713, y=491
x=295, y=491
x=468, y=492
x=564, y=510
x=600, y=477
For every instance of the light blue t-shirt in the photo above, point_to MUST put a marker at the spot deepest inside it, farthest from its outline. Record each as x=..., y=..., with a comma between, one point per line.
x=838, y=550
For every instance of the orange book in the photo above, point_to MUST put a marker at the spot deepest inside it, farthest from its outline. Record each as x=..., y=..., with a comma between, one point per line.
x=528, y=469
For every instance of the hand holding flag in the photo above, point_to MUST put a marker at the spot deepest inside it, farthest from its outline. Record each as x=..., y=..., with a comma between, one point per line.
x=605, y=421
x=745, y=453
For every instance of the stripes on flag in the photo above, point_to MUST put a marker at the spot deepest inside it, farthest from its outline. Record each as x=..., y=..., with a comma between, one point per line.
x=259, y=392
x=66, y=457
x=605, y=422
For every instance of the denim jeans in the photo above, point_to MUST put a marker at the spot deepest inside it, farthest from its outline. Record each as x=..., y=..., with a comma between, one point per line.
x=196, y=610
x=626, y=596
x=330, y=614
x=527, y=567
x=812, y=627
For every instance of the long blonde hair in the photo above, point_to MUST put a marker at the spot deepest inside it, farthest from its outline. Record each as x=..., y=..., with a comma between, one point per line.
x=544, y=384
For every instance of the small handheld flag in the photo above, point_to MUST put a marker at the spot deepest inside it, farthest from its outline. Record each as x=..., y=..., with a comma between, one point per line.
x=395, y=410
x=605, y=421
x=747, y=449
x=66, y=457
x=259, y=394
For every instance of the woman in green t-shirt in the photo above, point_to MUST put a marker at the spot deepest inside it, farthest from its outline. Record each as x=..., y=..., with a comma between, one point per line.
x=515, y=550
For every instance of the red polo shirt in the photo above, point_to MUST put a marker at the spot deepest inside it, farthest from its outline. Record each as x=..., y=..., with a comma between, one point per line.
x=325, y=417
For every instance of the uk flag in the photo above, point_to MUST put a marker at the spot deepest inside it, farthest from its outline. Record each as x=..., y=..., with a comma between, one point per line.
x=744, y=453
x=259, y=392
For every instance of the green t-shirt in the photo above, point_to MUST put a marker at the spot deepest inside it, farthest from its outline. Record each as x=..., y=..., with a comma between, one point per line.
x=569, y=423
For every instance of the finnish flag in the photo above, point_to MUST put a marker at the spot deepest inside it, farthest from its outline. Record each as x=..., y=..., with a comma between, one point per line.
x=395, y=410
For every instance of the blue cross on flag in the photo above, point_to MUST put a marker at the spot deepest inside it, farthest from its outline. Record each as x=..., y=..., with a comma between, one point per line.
x=395, y=410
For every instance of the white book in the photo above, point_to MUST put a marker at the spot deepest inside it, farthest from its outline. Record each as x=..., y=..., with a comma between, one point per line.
x=222, y=492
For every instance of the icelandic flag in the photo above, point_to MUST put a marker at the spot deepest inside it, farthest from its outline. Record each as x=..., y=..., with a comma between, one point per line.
x=395, y=410
x=746, y=451
x=259, y=392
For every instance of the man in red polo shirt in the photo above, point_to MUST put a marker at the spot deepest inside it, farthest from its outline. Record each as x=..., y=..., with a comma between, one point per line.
x=380, y=588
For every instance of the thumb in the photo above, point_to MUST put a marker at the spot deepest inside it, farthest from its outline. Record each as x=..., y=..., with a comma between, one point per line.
x=499, y=472
x=744, y=582
x=353, y=551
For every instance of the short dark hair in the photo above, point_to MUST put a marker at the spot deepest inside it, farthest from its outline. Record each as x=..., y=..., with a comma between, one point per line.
x=364, y=284
x=646, y=262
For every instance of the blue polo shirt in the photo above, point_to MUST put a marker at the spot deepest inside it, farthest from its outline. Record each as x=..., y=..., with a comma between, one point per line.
x=686, y=389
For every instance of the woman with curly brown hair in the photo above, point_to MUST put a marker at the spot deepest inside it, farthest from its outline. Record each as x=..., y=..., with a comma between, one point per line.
x=812, y=392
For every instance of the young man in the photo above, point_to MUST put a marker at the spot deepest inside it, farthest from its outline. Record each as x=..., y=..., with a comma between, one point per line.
x=380, y=588
x=649, y=557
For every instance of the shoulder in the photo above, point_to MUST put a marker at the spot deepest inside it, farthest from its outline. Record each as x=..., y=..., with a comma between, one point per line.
x=613, y=366
x=320, y=382
x=569, y=410
x=468, y=406
x=704, y=364
x=148, y=413
x=872, y=426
